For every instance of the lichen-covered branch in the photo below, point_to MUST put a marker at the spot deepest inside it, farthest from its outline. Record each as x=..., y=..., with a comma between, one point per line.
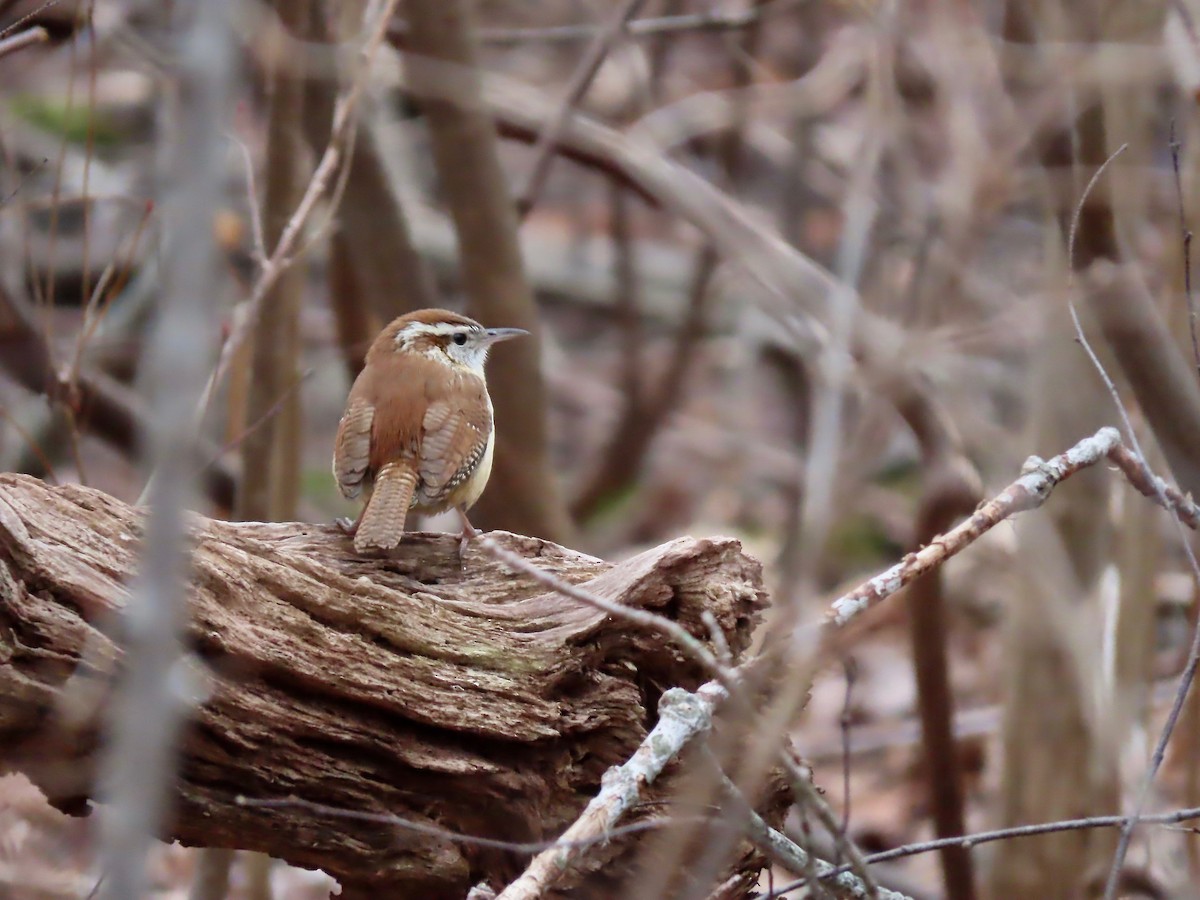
x=1027, y=492
x=681, y=717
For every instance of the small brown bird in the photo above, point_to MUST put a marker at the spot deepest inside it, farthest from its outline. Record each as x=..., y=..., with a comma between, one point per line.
x=417, y=432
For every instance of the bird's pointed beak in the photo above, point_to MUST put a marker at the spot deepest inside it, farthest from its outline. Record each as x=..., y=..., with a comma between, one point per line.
x=496, y=335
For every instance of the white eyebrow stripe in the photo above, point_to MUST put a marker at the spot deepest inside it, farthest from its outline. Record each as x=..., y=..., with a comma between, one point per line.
x=417, y=329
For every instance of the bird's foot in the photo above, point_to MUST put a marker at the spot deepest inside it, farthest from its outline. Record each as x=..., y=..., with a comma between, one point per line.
x=347, y=525
x=464, y=536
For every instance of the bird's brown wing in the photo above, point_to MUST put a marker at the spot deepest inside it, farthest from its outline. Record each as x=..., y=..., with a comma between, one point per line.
x=382, y=423
x=352, y=449
x=411, y=412
x=457, y=426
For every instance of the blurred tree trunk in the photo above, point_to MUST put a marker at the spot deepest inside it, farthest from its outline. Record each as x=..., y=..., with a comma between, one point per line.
x=1139, y=559
x=272, y=438
x=1056, y=763
x=376, y=273
x=647, y=408
x=1061, y=738
x=524, y=494
x=950, y=491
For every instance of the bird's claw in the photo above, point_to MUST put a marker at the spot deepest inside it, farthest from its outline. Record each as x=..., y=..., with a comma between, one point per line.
x=464, y=537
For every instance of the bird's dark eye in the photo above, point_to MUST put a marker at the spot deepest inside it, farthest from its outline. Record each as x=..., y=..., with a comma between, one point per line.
x=460, y=338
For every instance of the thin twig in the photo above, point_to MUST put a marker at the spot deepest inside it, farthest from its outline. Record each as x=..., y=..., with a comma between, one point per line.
x=73, y=438
x=543, y=150
x=102, y=294
x=845, y=724
x=32, y=443
x=256, y=220
x=672, y=630
x=700, y=22
x=87, y=23
x=968, y=841
x=35, y=35
x=5, y=200
x=717, y=636
x=1133, y=463
x=796, y=858
x=268, y=414
x=1073, y=231
x=808, y=797
x=787, y=854
x=33, y=13
x=1185, y=235
x=631, y=334
x=331, y=160
x=446, y=834
x=1134, y=460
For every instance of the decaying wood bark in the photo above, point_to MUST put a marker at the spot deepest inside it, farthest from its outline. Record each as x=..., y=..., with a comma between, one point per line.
x=450, y=693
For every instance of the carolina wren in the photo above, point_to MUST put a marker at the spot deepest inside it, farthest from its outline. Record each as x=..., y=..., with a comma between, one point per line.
x=417, y=432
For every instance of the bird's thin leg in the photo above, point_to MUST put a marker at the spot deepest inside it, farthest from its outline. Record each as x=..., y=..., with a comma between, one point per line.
x=464, y=536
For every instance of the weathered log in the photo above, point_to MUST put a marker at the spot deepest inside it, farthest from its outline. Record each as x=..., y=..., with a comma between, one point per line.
x=443, y=691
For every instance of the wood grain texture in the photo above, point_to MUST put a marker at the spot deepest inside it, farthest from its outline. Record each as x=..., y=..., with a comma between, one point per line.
x=408, y=684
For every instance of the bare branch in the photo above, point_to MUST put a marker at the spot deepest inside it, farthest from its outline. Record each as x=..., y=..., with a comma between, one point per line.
x=967, y=841
x=36, y=35
x=457, y=837
x=681, y=716
x=99, y=403
x=787, y=854
x=808, y=798
x=1185, y=240
x=331, y=161
x=543, y=150
x=715, y=20
x=1028, y=492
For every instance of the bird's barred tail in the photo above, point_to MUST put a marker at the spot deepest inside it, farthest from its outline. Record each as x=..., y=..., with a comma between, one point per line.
x=382, y=523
